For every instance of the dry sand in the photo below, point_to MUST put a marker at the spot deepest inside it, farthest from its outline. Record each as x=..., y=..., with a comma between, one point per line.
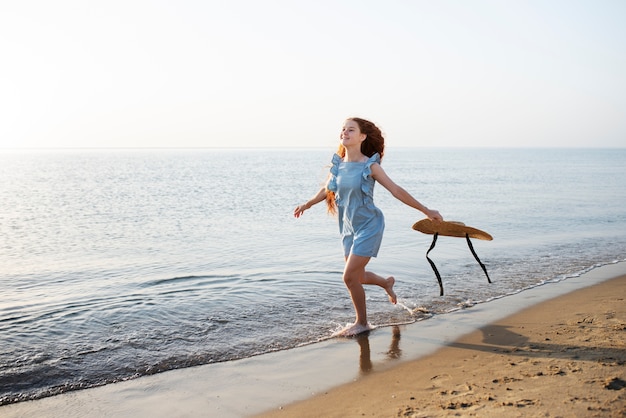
x=562, y=358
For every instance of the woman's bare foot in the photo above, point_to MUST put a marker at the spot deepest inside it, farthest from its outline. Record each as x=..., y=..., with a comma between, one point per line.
x=389, y=289
x=352, y=330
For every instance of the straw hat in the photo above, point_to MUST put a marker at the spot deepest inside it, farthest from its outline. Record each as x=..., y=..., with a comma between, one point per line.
x=450, y=229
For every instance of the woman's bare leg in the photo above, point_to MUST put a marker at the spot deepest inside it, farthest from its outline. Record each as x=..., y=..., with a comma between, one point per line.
x=387, y=284
x=353, y=275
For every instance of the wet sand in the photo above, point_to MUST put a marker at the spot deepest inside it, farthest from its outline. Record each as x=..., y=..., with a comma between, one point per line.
x=554, y=350
x=562, y=358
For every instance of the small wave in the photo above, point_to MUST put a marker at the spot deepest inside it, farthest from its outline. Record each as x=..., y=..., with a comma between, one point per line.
x=214, y=279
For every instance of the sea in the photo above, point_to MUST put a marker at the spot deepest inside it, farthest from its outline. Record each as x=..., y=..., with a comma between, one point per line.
x=121, y=263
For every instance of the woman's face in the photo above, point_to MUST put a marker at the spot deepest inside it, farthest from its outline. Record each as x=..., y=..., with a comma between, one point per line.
x=351, y=134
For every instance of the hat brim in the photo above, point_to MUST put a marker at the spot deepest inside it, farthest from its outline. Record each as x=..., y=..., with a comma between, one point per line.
x=450, y=229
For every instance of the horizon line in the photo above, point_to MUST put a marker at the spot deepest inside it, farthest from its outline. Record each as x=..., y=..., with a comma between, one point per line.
x=297, y=148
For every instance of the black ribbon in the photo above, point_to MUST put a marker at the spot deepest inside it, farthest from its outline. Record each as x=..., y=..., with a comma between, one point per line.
x=432, y=264
x=471, y=247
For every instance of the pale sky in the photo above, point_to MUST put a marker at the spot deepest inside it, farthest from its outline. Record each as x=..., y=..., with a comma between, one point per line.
x=280, y=73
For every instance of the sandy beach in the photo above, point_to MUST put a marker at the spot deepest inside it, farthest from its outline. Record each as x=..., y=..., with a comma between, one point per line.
x=557, y=350
x=561, y=358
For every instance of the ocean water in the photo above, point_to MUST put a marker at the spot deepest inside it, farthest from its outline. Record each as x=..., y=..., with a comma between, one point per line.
x=122, y=263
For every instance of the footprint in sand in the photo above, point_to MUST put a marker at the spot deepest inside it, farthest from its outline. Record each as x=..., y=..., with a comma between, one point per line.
x=439, y=380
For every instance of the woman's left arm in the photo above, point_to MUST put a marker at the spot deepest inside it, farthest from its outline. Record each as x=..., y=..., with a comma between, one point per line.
x=402, y=195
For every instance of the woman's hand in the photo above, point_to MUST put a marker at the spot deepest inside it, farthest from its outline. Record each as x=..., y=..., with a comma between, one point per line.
x=320, y=196
x=433, y=215
x=299, y=210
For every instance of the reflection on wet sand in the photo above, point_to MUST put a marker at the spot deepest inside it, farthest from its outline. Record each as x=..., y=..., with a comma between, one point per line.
x=365, y=358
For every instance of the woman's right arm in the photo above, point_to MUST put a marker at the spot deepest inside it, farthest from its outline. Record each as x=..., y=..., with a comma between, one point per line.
x=319, y=197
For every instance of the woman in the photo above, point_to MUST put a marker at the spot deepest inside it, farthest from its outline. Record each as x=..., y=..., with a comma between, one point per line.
x=349, y=192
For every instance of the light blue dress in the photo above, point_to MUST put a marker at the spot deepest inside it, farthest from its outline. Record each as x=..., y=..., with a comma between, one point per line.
x=361, y=223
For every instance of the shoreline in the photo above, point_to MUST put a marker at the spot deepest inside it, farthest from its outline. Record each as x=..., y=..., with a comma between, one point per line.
x=562, y=357
x=270, y=381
